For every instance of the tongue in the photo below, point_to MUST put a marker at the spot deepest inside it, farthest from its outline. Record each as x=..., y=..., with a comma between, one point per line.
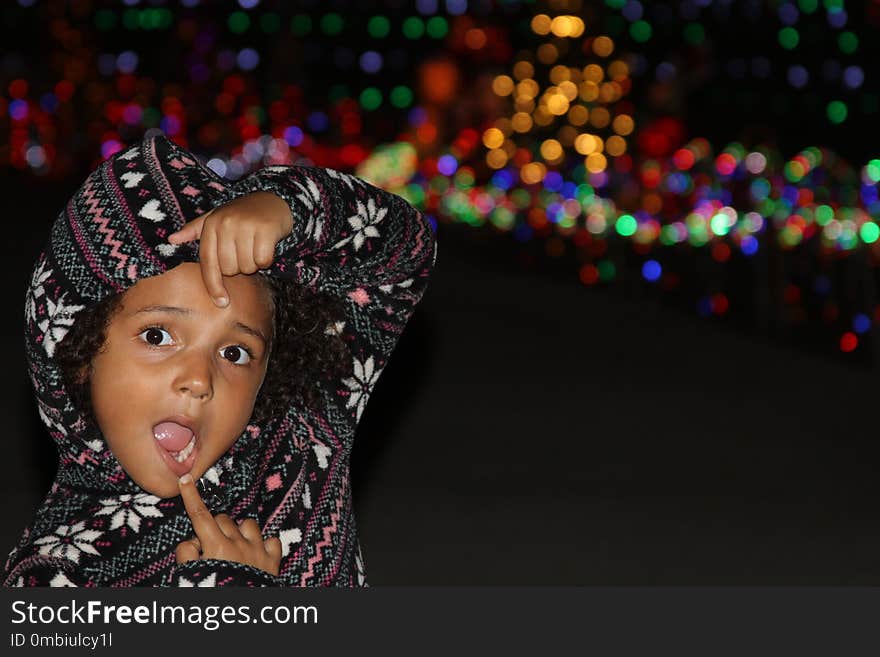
x=172, y=436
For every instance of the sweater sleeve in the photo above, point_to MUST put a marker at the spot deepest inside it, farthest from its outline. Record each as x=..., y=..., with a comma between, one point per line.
x=46, y=571
x=364, y=245
x=219, y=572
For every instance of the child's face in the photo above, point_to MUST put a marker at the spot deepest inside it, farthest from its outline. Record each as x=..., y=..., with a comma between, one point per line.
x=192, y=364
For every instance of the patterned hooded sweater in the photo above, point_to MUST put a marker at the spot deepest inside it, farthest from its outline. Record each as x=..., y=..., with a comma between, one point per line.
x=96, y=526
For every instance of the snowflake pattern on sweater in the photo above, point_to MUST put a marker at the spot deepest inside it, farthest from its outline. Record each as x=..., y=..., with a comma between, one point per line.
x=96, y=526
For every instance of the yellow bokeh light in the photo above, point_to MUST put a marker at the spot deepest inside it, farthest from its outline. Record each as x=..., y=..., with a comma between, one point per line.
x=559, y=73
x=502, y=85
x=589, y=91
x=542, y=116
x=496, y=158
x=618, y=70
x=521, y=122
x=600, y=117
x=562, y=26
x=541, y=24
x=523, y=70
x=551, y=150
x=493, y=138
x=528, y=88
x=615, y=146
x=596, y=163
x=533, y=172
x=623, y=124
x=578, y=27
x=578, y=115
x=609, y=92
x=524, y=104
x=593, y=73
x=568, y=89
x=509, y=147
x=557, y=104
x=547, y=53
x=603, y=46
x=585, y=144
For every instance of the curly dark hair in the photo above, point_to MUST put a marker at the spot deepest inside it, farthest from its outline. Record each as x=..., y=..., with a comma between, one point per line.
x=301, y=353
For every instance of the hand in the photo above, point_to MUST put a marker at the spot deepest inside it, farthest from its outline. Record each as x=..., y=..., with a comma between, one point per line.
x=218, y=537
x=237, y=238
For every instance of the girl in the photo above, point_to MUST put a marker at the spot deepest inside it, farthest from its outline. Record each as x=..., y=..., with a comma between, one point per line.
x=203, y=388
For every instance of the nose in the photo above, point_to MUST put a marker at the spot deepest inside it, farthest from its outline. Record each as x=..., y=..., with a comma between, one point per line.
x=194, y=377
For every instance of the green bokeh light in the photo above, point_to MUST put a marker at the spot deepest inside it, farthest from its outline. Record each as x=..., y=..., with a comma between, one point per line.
x=718, y=224
x=437, y=27
x=808, y=6
x=789, y=38
x=873, y=170
x=869, y=232
x=668, y=235
x=847, y=42
x=836, y=111
x=401, y=96
x=332, y=24
x=238, y=22
x=694, y=34
x=793, y=171
x=415, y=194
x=378, y=27
x=413, y=28
x=464, y=178
x=626, y=225
x=640, y=31
x=824, y=214
x=370, y=98
x=502, y=218
x=301, y=24
x=607, y=270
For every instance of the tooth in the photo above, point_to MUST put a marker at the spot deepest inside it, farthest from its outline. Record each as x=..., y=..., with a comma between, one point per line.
x=183, y=454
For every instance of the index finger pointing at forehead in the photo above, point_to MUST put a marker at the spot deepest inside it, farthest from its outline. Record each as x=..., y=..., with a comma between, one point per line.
x=210, y=265
x=203, y=522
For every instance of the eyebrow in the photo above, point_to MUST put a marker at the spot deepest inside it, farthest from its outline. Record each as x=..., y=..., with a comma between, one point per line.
x=189, y=313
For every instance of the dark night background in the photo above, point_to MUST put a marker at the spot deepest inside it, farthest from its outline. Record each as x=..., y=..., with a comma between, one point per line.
x=530, y=429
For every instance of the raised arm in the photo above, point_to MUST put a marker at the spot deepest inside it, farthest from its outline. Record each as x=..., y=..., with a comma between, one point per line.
x=368, y=247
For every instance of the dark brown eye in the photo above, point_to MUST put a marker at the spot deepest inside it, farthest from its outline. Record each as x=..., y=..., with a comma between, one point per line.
x=154, y=335
x=234, y=353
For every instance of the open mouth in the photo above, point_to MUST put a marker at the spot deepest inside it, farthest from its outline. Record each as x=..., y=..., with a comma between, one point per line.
x=177, y=444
